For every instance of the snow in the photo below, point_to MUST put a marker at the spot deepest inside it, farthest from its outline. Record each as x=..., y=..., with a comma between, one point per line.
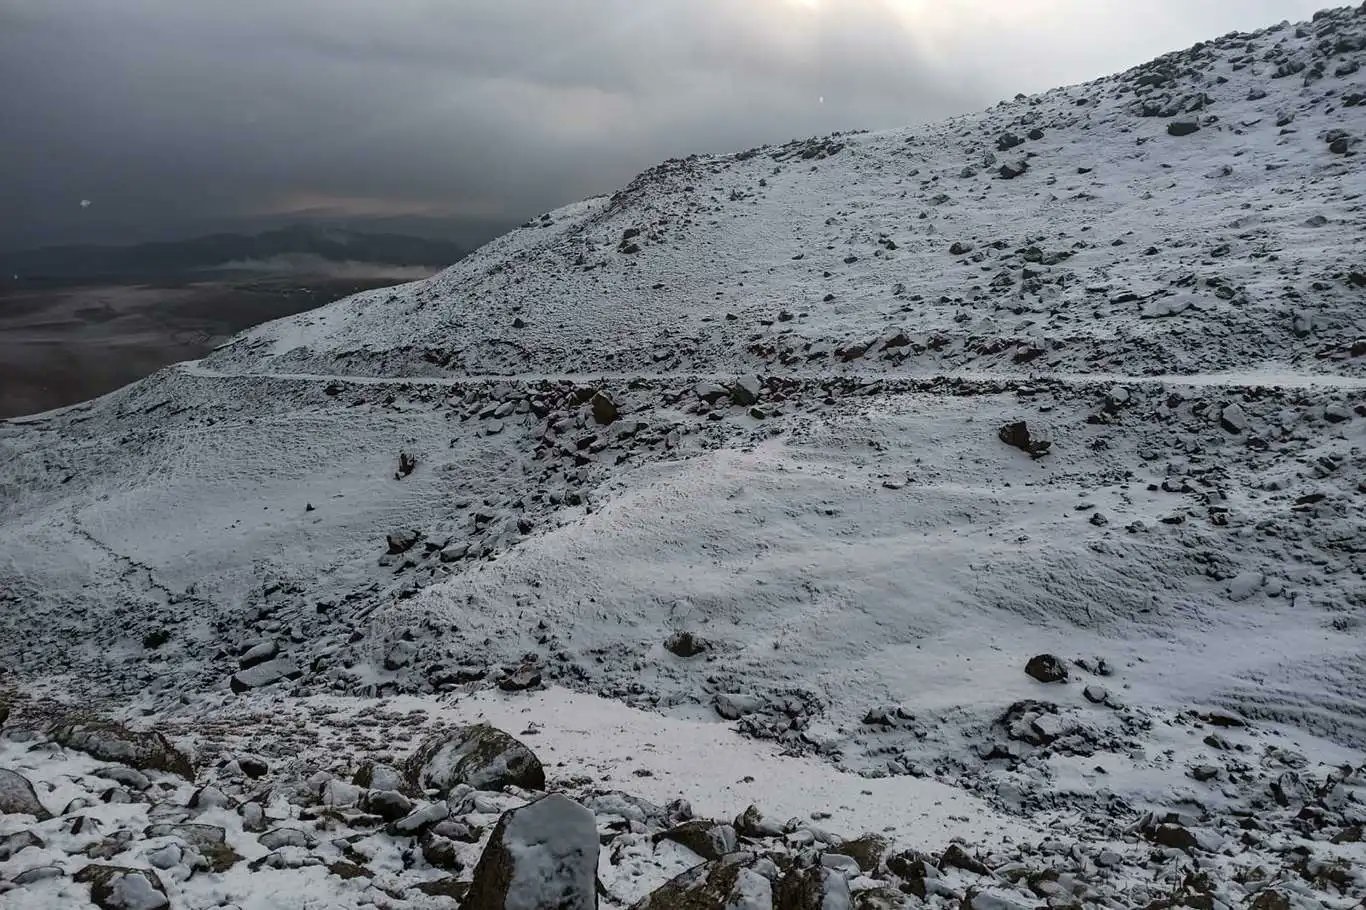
x=722, y=773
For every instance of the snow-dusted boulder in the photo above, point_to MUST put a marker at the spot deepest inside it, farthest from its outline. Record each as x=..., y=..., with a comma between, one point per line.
x=479, y=755
x=145, y=750
x=17, y=796
x=542, y=856
x=725, y=884
x=118, y=888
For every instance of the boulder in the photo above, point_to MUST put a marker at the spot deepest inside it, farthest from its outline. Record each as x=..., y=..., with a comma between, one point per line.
x=710, y=392
x=605, y=410
x=121, y=888
x=1017, y=434
x=734, y=705
x=1012, y=169
x=421, y=819
x=268, y=673
x=1164, y=307
x=521, y=678
x=17, y=796
x=707, y=839
x=684, y=644
x=480, y=756
x=278, y=838
x=389, y=805
x=12, y=844
x=751, y=823
x=261, y=652
x=746, y=391
x=1182, y=127
x=816, y=888
x=1233, y=419
x=997, y=899
x=1046, y=668
x=376, y=776
x=209, y=840
x=541, y=856
x=730, y=883
x=145, y=750
x=402, y=540
x=867, y=851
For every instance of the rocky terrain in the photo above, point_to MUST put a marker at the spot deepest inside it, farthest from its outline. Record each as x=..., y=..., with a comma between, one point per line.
x=966, y=516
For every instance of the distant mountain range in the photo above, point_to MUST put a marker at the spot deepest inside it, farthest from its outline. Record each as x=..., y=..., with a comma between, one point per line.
x=178, y=257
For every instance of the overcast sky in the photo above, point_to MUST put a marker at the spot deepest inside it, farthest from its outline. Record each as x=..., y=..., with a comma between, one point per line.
x=174, y=116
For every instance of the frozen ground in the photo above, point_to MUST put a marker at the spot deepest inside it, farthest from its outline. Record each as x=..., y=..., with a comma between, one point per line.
x=706, y=485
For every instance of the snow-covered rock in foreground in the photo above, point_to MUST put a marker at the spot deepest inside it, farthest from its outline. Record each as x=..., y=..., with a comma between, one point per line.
x=542, y=856
x=770, y=480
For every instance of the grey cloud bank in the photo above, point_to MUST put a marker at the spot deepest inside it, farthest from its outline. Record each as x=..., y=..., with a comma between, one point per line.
x=174, y=116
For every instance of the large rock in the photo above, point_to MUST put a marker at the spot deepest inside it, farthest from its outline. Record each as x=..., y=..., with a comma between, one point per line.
x=685, y=644
x=710, y=392
x=812, y=889
x=481, y=756
x=402, y=540
x=209, y=840
x=121, y=888
x=707, y=839
x=268, y=673
x=746, y=390
x=542, y=856
x=1046, y=668
x=17, y=842
x=725, y=884
x=17, y=796
x=145, y=750
x=1018, y=435
x=605, y=410
x=1012, y=169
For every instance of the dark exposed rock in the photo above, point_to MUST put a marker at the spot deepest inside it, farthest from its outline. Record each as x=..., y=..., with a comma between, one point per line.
x=1046, y=668
x=867, y=851
x=1012, y=169
x=605, y=410
x=1017, y=434
x=1182, y=127
x=685, y=644
x=403, y=540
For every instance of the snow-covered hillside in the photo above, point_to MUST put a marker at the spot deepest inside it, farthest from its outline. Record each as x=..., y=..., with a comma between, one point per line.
x=999, y=480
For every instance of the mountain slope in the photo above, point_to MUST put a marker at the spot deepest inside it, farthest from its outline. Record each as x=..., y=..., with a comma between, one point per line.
x=1025, y=462
x=1249, y=224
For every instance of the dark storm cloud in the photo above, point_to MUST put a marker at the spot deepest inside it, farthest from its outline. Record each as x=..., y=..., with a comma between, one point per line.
x=171, y=115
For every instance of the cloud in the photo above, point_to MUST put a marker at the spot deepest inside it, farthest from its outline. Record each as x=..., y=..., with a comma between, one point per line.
x=176, y=114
